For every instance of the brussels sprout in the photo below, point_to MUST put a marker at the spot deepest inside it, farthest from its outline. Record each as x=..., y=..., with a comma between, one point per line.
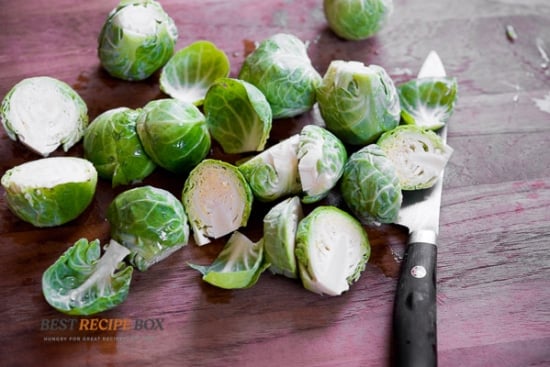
x=112, y=144
x=332, y=249
x=137, y=39
x=274, y=172
x=81, y=282
x=357, y=19
x=282, y=70
x=280, y=225
x=238, y=116
x=419, y=155
x=44, y=113
x=428, y=102
x=174, y=134
x=239, y=264
x=321, y=159
x=217, y=200
x=192, y=70
x=50, y=191
x=357, y=102
x=370, y=186
x=150, y=222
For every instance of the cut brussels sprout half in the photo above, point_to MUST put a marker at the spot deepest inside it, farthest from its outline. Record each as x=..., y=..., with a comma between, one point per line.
x=332, y=249
x=112, y=144
x=82, y=282
x=418, y=155
x=280, y=225
x=239, y=264
x=174, y=134
x=192, y=70
x=281, y=68
x=428, y=102
x=357, y=102
x=137, y=39
x=238, y=116
x=370, y=186
x=357, y=19
x=44, y=113
x=321, y=159
x=273, y=173
x=50, y=191
x=150, y=222
x=217, y=200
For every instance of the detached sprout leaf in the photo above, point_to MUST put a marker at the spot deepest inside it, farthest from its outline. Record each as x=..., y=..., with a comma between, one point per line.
x=112, y=144
x=357, y=102
x=428, y=102
x=44, y=113
x=217, y=199
x=81, y=282
x=370, y=186
x=419, y=155
x=150, y=222
x=239, y=264
x=50, y=191
x=192, y=70
x=332, y=249
x=238, y=115
x=137, y=39
x=282, y=70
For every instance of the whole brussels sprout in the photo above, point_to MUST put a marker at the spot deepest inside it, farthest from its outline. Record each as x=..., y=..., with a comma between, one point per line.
x=112, y=144
x=357, y=102
x=357, y=19
x=282, y=70
x=137, y=39
x=370, y=186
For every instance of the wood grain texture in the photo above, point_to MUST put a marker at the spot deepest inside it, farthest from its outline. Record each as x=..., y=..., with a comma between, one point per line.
x=494, y=257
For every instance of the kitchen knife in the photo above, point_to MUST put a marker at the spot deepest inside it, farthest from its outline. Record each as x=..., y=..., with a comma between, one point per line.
x=414, y=317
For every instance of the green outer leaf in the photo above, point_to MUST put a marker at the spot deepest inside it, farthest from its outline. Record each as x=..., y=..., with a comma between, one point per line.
x=130, y=53
x=428, y=102
x=150, y=222
x=238, y=115
x=370, y=186
x=174, y=134
x=357, y=102
x=192, y=70
x=81, y=282
x=282, y=70
x=112, y=144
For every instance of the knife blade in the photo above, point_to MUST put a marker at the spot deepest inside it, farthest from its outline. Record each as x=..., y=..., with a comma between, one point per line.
x=414, y=316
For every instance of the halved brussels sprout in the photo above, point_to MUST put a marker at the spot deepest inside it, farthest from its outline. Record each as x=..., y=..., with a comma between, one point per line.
x=280, y=67
x=217, y=200
x=370, y=186
x=192, y=70
x=280, y=225
x=44, y=113
x=332, y=249
x=84, y=282
x=238, y=115
x=50, y=191
x=418, y=155
x=357, y=102
x=357, y=19
x=112, y=144
x=239, y=264
x=150, y=222
x=174, y=134
x=428, y=102
x=137, y=39
x=274, y=172
x=321, y=159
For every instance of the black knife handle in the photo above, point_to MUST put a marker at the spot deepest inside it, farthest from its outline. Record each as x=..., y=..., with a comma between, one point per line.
x=414, y=316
